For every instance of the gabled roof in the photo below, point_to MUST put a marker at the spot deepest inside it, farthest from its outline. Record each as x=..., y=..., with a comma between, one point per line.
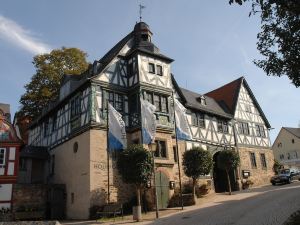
x=228, y=95
x=294, y=131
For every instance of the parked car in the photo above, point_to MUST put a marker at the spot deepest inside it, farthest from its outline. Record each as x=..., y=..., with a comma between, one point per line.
x=285, y=176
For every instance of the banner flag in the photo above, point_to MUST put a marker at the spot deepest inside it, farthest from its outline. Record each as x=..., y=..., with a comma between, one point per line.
x=182, y=128
x=117, y=132
x=148, y=121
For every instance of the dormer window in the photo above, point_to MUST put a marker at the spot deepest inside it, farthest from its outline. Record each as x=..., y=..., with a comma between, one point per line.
x=151, y=68
x=159, y=70
x=202, y=100
x=145, y=37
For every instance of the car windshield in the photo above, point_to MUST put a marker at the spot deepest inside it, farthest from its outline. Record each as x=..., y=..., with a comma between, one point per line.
x=286, y=171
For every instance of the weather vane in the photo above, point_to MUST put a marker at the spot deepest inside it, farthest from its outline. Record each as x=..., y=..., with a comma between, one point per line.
x=141, y=7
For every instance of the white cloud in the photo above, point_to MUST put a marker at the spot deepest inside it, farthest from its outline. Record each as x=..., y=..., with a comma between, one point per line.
x=17, y=35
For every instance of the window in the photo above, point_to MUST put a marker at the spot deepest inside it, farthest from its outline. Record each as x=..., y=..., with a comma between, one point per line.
x=279, y=145
x=202, y=100
x=293, y=141
x=222, y=126
x=151, y=68
x=75, y=107
x=159, y=70
x=22, y=164
x=46, y=128
x=161, y=149
x=157, y=102
x=164, y=104
x=149, y=97
x=115, y=99
x=247, y=108
x=160, y=101
x=194, y=119
x=72, y=198
x=201, y=122
x=130, y=70
x=119, y=102
x=175, y=154
x=253, y=160
x=225, y=127
x=243, y=128
x=52, y=164
x=198, y=120
x=2, y=157
x=281, y=156
x=263, y=160
x=54, y=121
x=260, y=131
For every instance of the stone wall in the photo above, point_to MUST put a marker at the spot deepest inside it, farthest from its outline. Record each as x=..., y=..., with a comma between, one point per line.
x=29, y=196
x=259, y=175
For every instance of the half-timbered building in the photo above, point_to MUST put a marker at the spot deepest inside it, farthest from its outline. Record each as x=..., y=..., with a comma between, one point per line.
x=9, y=157
x=74, y=127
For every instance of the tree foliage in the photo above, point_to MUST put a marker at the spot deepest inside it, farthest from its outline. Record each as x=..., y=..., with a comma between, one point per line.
x=45, y=83
x=228, y=160
x=279, y=39
x=277, y=166
x=135, y=166
x=197, y=162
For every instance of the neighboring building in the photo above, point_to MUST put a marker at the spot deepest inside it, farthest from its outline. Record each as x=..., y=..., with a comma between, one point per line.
x=286, y=147
x=33, y=165
x=9, y=156
x=74, y=128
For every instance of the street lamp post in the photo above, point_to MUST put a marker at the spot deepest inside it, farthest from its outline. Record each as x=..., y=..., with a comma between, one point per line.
x=153, y=149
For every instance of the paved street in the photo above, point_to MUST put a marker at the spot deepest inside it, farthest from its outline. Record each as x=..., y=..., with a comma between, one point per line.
x=262, y=206
x=267, y=205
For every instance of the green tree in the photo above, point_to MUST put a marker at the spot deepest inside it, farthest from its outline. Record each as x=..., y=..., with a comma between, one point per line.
x=228, y=160
x=197, y=162
x=279, y=39
x=277, y=166
x=45, y=83
x=135, y=166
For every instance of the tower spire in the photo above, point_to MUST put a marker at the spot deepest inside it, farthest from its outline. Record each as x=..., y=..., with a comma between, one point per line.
x=141, y=7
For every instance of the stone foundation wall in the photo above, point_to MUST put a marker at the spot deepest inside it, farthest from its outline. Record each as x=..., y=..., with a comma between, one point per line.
x=29, y=196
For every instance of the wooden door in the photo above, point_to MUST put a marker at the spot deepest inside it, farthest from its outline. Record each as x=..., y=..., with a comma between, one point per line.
x=162, y=185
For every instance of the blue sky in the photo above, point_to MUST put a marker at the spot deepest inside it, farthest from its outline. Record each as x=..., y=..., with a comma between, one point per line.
x=211, y=42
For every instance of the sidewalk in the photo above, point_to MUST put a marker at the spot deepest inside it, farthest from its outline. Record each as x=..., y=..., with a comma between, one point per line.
x=207, y=201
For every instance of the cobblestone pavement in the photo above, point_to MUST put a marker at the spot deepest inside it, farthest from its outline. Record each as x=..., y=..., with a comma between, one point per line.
x=269, y=205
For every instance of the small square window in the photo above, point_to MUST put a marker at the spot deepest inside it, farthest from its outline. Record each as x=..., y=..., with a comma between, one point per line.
x=159, y=70
x=151, y=68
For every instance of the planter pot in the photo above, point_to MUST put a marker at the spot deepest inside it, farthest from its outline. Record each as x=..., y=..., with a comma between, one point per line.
x=137, y=213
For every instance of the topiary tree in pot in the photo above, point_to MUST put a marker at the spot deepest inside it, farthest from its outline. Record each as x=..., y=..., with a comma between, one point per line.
x=197, y=162
x=228, y=160
x=135, y=166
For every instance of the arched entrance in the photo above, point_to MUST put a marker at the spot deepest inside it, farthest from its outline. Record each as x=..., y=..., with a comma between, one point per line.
x=220, y=178
x=162, y=186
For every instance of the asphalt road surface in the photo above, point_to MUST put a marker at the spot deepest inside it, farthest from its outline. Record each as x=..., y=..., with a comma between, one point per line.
x=270, y=205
